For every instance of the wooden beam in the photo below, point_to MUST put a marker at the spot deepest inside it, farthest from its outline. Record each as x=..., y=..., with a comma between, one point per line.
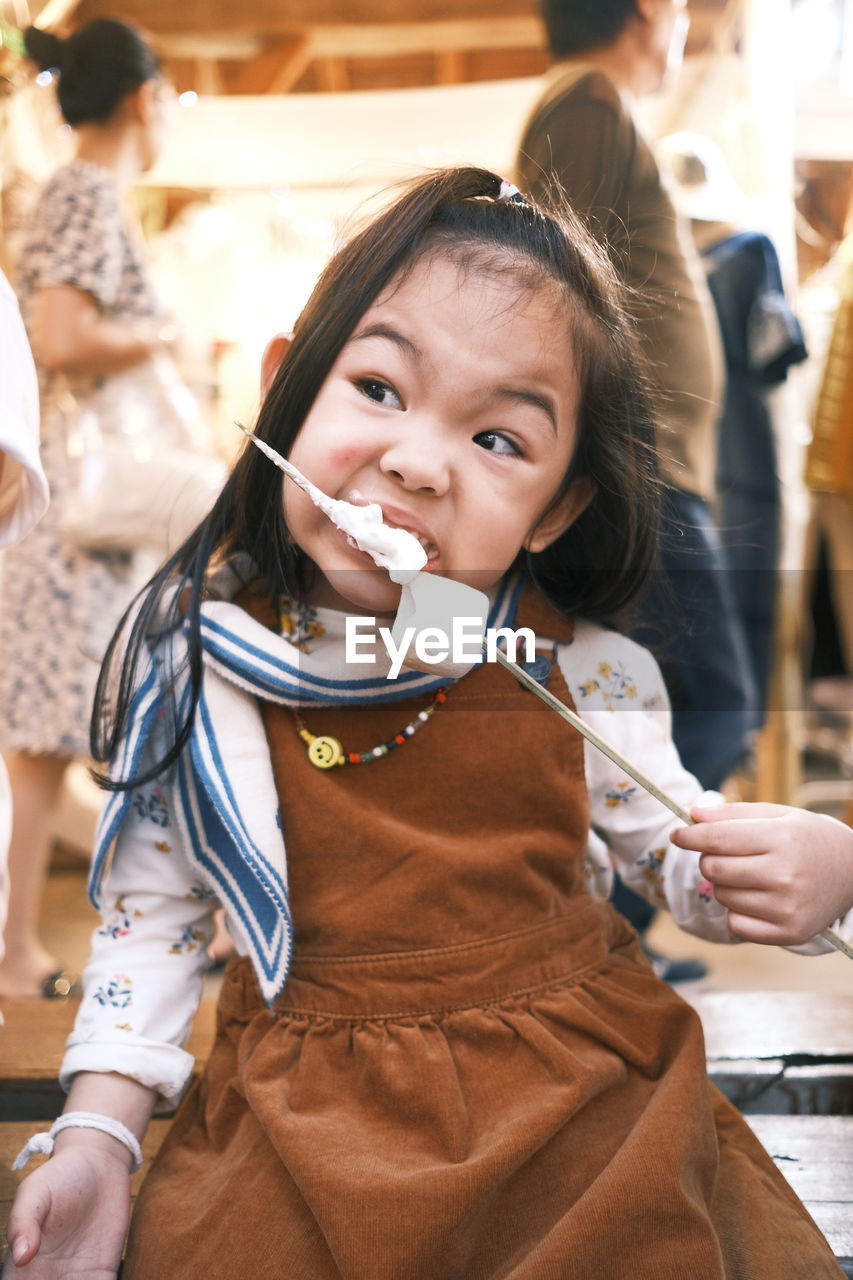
x=348, y=40
x=274, y=17
x=212, y=44
x=277, y=69
x=394, y=39
x=332, y=76
x=208, y=79
x=54, y=13
x=231, y=31
x=17, y=12
x=451, y=66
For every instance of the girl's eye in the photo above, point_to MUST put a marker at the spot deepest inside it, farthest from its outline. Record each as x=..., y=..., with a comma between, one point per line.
x=380, y=392
x=497, y=442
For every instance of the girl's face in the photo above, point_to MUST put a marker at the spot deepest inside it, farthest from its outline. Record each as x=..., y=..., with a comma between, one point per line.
x=453, y=406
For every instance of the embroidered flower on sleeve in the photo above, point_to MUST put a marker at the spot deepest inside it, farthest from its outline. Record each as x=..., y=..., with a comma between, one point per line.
x=613, y=683
x=117, y=992
x=705, y=891
x=123, y=1026
x=298, y=623
x=188, y=941
x=121, y=921
x=151, y=806
x=619, y=795
x=199, y=893
x=652, y=866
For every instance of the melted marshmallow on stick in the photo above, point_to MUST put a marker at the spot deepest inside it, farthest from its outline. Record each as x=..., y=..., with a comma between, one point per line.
x=393, y=549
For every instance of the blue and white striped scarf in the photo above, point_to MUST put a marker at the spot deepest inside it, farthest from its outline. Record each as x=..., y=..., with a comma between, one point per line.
x=223, y=795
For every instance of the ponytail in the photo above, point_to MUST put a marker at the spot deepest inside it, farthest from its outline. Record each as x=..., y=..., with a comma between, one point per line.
x=98, y=66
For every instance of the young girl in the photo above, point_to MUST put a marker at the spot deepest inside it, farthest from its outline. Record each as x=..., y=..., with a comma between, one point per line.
x=438, y=1054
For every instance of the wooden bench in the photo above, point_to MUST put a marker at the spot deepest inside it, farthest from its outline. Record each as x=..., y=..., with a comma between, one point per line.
x=32, y=1043
x=815, y=1153
x=780, y=1052
x=31, y=1047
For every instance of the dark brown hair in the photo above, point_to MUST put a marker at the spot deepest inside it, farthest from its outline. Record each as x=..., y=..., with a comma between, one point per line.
x=592, y=569
x=576, y=26
x=98, y=66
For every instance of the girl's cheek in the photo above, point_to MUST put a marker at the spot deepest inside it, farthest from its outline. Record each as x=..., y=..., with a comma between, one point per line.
x=341, y=457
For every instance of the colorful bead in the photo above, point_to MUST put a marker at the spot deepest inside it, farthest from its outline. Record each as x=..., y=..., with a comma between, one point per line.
x=324, y=751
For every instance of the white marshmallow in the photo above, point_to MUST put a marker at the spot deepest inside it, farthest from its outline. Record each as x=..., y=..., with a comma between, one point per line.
x=396, y=550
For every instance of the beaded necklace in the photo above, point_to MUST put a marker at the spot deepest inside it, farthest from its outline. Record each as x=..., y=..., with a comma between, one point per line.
x=325, y=752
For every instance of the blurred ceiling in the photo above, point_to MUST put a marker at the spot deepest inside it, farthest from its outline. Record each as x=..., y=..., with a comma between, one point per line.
x=305, y=46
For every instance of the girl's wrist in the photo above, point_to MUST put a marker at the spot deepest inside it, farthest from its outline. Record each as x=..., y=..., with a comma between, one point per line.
x=104, y=1144
x=116, y=1132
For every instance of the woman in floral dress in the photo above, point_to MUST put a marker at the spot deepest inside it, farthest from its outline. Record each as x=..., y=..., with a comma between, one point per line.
x=90, y=312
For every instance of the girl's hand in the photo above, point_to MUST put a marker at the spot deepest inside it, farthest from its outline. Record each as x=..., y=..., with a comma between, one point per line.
x=69, y=1218
x=783, y=874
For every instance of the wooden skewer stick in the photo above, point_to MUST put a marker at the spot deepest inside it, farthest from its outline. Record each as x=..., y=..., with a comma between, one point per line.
x=316, y=495
x=625, y=765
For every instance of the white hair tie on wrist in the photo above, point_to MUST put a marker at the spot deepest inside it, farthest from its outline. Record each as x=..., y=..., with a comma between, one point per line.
x=43, y=1143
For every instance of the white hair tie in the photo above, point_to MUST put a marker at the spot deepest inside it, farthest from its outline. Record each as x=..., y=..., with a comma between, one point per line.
x=509, y=193
x=43, y=1143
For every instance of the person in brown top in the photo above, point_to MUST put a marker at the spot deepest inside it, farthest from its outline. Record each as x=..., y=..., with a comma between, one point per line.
x=582, y=143
x=438, y=1055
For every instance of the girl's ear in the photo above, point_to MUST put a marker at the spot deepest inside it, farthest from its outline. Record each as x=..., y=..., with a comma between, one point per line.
x=276, y=349
x=564, y=512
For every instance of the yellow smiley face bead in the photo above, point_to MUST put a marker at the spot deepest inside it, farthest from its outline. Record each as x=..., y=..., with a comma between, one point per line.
x=325, y=752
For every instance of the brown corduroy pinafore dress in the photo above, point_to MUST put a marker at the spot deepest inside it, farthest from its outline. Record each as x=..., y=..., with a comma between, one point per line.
x=472, y=1072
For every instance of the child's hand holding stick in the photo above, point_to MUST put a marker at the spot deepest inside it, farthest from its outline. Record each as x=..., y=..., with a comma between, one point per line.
x=756, y=863
x=761, y=860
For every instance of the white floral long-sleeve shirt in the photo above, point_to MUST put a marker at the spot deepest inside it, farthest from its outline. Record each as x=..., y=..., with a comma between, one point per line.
x=144, y=979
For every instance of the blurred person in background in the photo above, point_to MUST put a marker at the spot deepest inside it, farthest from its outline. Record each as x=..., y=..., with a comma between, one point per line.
x=90, y=312
x=23, y=486
x=582, y=142
x=829, y=463
x=762, y=341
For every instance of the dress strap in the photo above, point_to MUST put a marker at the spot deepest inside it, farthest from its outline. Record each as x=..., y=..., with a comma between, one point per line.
x=536, y=612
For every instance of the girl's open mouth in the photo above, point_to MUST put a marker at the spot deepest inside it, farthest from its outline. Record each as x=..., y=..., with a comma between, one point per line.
x=431, y=550
x=396, y=518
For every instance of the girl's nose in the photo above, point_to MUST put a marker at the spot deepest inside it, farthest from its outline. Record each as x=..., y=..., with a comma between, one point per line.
x=418, y=463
